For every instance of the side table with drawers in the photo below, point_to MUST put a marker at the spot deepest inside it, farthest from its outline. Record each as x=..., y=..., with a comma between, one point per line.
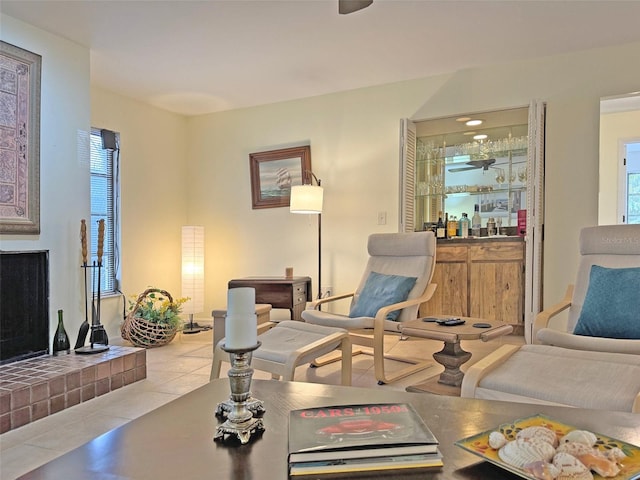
x=281, y=292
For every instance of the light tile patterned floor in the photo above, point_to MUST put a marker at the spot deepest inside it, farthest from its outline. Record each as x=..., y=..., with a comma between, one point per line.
x=173, y=370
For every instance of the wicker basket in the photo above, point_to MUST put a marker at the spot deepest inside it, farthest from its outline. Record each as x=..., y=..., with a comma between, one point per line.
x=143, y=333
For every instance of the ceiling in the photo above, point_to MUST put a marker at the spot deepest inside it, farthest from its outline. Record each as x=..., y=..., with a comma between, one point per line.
x=197, y=57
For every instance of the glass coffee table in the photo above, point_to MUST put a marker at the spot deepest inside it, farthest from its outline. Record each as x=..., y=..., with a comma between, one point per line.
x=452, y=356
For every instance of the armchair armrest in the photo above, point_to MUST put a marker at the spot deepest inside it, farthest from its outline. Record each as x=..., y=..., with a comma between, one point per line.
x=543, y=318
x=481, y=368
x=316, y=303
x=382, y=313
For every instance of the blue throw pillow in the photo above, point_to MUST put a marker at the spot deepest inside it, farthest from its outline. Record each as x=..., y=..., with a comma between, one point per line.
x=612, y=305
x=379, y=291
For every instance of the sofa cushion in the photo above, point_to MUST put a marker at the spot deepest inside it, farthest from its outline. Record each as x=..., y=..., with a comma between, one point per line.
x=379, y=291
x=612, y=304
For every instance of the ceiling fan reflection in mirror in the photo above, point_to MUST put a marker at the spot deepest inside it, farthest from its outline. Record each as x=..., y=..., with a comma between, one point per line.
x=484, y=164
x=350, y=6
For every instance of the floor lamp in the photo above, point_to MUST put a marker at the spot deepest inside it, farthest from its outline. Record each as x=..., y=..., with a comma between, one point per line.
x=307, y=198
x=193, y=274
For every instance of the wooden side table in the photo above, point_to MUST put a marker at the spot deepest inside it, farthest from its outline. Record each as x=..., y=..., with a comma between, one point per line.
x=452, y=356
x=281, y=292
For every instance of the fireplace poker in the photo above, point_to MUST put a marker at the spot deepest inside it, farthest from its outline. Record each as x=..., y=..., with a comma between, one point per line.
x=84, y=328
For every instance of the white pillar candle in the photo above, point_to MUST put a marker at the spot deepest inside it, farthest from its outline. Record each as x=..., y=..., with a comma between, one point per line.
x=241, y=323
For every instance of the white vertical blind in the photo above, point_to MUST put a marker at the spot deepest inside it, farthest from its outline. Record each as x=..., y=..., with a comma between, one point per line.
x=103, y=207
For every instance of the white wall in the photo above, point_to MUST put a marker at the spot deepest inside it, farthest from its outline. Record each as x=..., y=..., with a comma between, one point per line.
x=614, y=129
x=153, y=169
x=354, y=149
x=64, y=172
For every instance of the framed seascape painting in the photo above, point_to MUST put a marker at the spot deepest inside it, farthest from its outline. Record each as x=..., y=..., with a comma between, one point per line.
x=19, y=140
x=274, y=172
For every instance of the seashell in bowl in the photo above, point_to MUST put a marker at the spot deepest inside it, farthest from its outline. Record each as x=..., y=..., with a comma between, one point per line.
x=543, y=433
x=571, y=468
x=542, y=470
x=497, y=440
x=592, y=458
x=523, y=451
x=574, y=448
x=600, y=464
x=615, y=454
x=580, y=436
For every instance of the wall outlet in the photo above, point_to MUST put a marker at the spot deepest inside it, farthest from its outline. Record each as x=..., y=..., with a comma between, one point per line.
x=326, y=291
x=382, y=218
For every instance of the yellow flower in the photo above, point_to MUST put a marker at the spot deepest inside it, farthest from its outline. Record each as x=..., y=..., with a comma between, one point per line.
x=158, y=308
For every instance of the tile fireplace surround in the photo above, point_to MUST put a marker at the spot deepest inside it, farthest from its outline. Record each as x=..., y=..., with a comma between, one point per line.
x=34, y=388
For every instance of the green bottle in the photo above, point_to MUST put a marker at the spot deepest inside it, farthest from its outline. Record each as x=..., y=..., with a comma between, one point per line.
x=61, y=344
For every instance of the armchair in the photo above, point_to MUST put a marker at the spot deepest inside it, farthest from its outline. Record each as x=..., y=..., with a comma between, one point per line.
x=594, y=361
x=393, y=258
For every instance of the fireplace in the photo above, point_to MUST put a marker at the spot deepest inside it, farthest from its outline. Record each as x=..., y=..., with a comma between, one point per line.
x=24, y=305
x=32, y=388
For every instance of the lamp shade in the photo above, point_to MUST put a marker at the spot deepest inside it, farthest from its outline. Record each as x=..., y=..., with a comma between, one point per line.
x=193, y=268
x=306, y=199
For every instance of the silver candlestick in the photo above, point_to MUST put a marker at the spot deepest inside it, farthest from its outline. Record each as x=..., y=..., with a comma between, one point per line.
x=240, y=417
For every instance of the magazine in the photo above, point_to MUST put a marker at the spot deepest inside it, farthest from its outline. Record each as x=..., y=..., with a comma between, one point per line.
x=361, y=437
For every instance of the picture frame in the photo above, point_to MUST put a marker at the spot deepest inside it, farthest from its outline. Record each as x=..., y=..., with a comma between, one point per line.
x=274, y=172
x=20, y=140
x=500, y=204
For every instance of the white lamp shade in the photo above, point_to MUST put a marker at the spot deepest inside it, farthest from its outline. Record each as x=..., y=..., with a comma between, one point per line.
x=306, y=199
x=193, y=268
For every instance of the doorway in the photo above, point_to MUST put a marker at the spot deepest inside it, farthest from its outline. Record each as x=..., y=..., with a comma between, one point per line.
x=630, y=183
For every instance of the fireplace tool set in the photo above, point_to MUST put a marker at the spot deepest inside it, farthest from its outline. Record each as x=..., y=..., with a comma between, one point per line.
x=98, y=339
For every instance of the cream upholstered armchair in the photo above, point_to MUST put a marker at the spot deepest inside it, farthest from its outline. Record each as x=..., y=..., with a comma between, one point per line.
x=396, y=281
x=594, y=361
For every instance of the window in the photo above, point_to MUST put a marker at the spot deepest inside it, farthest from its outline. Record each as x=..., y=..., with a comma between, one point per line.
x=633, y=198
x=104, y=205
x=631, y=168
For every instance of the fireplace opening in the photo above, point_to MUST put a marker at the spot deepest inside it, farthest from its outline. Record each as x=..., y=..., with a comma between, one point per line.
x=24, y=305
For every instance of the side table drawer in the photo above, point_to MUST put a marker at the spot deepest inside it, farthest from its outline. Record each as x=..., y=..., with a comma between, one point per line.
x=300, y=293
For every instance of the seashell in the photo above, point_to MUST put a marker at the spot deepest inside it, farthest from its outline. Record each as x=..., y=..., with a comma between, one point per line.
x=543, y=433
x=614, y=454
x=571, y=468
x=574, y=448
x=523, y=451
x=600, y=464
x=497, y=440
x=542, y=470
x=580, y=436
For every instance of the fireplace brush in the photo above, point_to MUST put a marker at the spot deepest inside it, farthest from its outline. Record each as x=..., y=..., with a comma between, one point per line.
x=98, y=338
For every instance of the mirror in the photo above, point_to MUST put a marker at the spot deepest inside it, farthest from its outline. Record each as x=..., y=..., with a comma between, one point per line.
x=619, y=171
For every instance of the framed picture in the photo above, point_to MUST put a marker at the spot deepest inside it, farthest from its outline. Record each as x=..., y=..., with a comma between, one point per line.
x=274, y=172
x=500, y=204
x=19, y=140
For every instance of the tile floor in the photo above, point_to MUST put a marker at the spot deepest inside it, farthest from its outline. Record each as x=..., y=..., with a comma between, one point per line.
x=173, y=370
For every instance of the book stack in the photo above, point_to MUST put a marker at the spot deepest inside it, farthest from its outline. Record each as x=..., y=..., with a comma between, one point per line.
x=358, y=438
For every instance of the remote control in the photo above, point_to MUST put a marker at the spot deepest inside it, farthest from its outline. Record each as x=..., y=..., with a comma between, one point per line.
x=451, y=322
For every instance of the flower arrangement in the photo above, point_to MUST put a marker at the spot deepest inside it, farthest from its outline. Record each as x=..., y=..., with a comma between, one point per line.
x=158, y=307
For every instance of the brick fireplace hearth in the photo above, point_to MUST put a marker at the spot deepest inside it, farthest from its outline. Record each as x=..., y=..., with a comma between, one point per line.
x=34, y=388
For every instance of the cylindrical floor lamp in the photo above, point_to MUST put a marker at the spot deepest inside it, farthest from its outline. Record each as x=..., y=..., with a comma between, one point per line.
x=193, y=274
x=307, y=198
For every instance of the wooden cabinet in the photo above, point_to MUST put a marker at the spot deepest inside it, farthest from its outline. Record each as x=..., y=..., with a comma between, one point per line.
x=279, y=292
x=481, y=278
